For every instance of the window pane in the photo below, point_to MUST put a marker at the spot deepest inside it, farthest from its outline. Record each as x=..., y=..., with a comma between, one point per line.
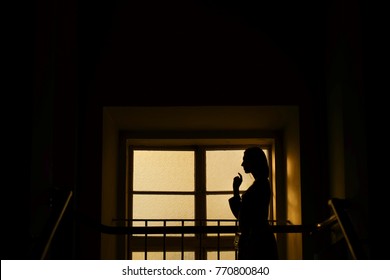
x=161, y=223
x=223, y=255
x=159, y=255
x=177, y=255
x=163, y=207
x=218, y=207
x=222, y=167
x=164, y=171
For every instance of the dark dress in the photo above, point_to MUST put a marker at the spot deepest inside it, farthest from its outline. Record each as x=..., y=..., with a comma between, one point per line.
x=257, y=241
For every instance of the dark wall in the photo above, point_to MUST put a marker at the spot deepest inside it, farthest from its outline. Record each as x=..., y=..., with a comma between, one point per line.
x=202, y=52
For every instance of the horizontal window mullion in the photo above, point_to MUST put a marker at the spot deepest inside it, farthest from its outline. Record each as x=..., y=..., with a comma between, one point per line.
x=220, y=192
x=164, y=192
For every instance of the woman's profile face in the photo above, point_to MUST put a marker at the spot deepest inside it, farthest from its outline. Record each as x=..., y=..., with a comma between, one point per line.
x=246, y=164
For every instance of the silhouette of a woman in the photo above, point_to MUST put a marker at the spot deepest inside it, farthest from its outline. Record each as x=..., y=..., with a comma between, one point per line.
x=257, y=241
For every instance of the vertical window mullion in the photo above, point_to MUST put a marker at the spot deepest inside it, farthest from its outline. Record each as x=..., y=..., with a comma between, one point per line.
x=129, y=201
x=200, y=183
x=271, y=180
x=200, y=193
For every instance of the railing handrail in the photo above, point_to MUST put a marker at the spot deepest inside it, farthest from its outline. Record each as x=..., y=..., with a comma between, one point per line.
x=338, y=207
x=176, y=220
x=327, y=223
x=195, y=229
x=58, y=221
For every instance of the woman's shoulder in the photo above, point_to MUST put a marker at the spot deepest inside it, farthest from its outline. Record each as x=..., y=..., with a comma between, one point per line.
x=261, y=182
x=259, y=186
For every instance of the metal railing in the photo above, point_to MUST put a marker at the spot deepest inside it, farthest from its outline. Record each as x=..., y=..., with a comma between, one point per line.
x=203, y=236
x=339, y=220
x=202, y=229
x=195, y=236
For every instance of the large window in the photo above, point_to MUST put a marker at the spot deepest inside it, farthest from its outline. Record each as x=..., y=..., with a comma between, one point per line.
x=184, y=185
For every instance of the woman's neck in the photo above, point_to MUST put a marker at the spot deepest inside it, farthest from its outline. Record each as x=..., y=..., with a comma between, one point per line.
x=255, y=175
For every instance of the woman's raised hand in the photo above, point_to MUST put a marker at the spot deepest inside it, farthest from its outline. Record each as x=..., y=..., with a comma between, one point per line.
x=237, y=181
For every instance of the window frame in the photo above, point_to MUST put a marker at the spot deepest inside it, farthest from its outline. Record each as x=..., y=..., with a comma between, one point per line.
x=199, y=146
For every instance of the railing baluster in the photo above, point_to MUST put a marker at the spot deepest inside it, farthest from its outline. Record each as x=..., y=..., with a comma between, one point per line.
x=236, y=250
x=218, y=240
x=200, y=243
x=165, y=241
x=146, y=241
x=182, y=241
